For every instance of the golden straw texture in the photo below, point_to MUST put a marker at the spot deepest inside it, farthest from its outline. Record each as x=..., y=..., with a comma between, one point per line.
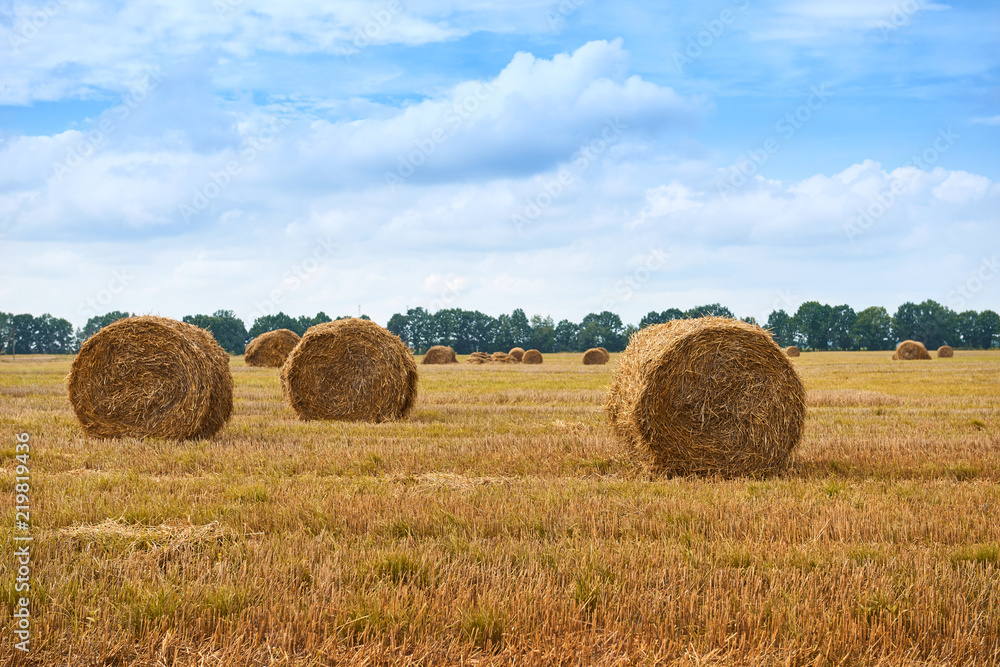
x=440, y=354
x=350, y=370
x=271, y=348
x=708, y=396
x=532, y=357
x=910, y=350
x=151, y=376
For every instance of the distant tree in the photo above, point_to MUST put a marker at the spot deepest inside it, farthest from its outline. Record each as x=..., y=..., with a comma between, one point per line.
x=929, y=322
x=750, y=319
x=227, y=329
x=965, y=327
x=603, y=329
x=520, y=329
x=24, y=333
x=905, y=322
x=447, y=327
x=653, y=317
x=399, y=324
x=812, y=325
x=872, y=329
x=53, y=335
x=279, y=320
x=6, y=327
x=782, y=328
x=567, y=336
x=987, y=332
x=481, y=332
x=841, y=325
x=504, y=335
x=543, y=334
x=421, y=328
x=712, y=309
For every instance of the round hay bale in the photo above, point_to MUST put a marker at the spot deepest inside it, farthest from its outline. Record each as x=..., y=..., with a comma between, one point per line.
x=271, y=348
x=151, y=376
x=517, y=353
x=440, y=354
x=945, y=352
x=532, y=357
x=792, y=351
x=595, y=357
x=710, y=395
x=501, y=358
x=606, y=354
x=350, y=370
x=910, y=350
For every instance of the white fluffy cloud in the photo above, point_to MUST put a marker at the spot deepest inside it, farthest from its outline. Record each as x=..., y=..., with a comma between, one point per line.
x=62, y=48
x=292, y=211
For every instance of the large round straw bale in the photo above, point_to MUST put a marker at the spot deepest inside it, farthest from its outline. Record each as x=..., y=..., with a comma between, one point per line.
x=594, y=357
x=350, y=370
x=151, y=376
x=605, y=352
x=910, y=350
x=517, y=353
x=532, y=357
x=792, y=351
x=710, y=395
x=271, y=348
x=440, y=354
x=945, y=352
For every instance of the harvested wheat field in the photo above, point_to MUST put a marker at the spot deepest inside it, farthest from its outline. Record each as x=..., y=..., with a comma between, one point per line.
x=503, y=524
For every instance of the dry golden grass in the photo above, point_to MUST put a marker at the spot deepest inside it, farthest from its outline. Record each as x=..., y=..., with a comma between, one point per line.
x=502, y=524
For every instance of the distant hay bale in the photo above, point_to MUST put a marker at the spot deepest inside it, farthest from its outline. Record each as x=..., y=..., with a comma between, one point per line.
x=499, y=357
x=708, y=396
x=910, y=350
x=945, y=352
x=478, y=358
x=605, y=352
x=517, y=353
x=532, y=357
x=595, y=357
x=151, y=376
x=350, y=370
x=271, y=348
x=792, y=351
x=440, y=354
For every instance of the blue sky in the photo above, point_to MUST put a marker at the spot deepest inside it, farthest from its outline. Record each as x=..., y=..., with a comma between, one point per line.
x=182, y=157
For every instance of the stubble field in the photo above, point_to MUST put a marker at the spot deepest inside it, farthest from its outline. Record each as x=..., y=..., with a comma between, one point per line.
x=502, y=524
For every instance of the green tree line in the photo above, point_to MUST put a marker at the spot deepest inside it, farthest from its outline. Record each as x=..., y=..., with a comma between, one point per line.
x=814, y=326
